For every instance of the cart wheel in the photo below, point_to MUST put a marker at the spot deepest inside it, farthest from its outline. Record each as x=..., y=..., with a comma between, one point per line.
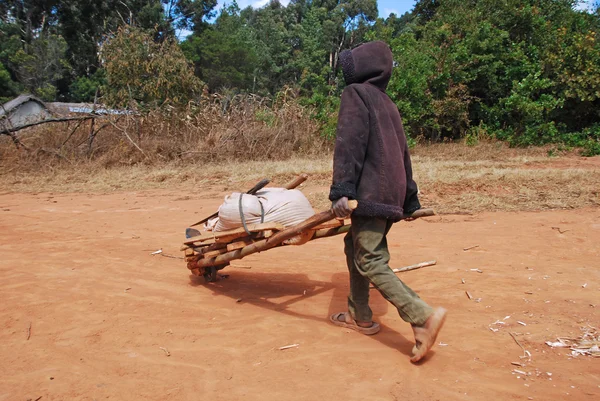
x=210, y=274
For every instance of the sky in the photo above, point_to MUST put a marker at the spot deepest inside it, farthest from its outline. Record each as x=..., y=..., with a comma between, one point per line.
x=386, y=7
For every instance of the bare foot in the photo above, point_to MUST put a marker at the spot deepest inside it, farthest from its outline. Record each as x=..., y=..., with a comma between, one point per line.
x=426, y=335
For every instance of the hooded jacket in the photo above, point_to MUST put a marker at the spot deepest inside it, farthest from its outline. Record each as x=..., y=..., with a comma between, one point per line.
x=371, y=162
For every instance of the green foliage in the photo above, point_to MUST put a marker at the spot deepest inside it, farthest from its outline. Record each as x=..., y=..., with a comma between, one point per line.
x=223, y=54
x=267, y=117
x=85, y=89
x=141, y=72
x=591, y=148
x=8, y=88
x=325, y=111
x=41, y=64
x=588, y=139
x=409, y=86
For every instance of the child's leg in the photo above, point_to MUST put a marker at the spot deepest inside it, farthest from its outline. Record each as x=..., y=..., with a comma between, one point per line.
x=358, y=300
x=371, y=258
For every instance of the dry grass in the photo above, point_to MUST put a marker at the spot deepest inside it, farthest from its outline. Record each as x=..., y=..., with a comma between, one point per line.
x=453, y=178
x=457, y=178
x=196, y=178
x=228, y=143
x=218, y=129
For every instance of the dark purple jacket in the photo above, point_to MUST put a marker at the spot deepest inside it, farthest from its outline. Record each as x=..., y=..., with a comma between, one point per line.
x=371, y=162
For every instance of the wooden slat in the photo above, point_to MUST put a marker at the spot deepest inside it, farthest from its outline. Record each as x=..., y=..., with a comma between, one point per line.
x=215, y=236
x=212, y=254
x=209, y=247
x=227, y=239
x=239, y=244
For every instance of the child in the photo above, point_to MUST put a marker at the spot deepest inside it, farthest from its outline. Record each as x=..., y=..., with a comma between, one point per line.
x=372, y=165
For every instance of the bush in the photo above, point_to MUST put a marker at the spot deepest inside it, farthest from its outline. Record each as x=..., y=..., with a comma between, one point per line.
x=85, y=89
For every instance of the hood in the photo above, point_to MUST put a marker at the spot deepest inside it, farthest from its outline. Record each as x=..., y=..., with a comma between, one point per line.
x=368, y=63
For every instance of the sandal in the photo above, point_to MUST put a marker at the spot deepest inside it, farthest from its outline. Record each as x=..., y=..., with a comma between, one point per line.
x=349, y=323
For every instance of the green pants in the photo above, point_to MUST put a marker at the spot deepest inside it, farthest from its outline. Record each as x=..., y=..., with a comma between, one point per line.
x=367, y=256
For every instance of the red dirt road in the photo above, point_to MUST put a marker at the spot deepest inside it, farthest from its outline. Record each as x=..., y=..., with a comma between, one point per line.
x=104, y=312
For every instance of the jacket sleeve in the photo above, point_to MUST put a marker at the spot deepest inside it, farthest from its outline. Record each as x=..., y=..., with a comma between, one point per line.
x=350, y=145
x=411, y=201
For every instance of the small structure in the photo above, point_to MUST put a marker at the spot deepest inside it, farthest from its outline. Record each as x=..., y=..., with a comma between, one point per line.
x=65, y=109
x=22, y=110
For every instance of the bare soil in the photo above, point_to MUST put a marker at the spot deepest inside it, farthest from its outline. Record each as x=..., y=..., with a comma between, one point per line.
x=87, y=313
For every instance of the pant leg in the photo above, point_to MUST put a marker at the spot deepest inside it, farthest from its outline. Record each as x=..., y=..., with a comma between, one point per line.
x=358, y=299
x=371, y=260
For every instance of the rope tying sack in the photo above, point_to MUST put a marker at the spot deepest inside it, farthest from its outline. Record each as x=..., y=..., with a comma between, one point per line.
x=243, y=219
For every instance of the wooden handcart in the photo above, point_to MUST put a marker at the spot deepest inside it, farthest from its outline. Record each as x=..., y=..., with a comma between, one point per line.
x=209, y=251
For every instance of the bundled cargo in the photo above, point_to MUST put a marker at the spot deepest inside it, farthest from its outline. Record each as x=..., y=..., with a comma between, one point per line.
x=271, y=205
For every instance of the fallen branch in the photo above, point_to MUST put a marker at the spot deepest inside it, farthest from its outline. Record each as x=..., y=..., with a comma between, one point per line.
x=517, y=341
x=414, y=267
x=71, y=134
x=29, y=331
x=166, y=351
x=470, y=247
x=91, y=137
x=8, y=131
x=55, y=153
x=170, y=256
x=525, y=352
x=129, y=138
x=409, y=268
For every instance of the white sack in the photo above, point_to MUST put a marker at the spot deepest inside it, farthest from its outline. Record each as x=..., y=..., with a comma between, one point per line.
x=287, y=207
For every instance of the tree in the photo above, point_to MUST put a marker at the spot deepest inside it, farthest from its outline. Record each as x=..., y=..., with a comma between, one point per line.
x=84, y=24
x=41, y=65
x=311, y=58
x=8, y=87
x=347, y=23
x=86, y=89
x=224, y=53
x=425, y=10
x=143, y=73
x=189, y=14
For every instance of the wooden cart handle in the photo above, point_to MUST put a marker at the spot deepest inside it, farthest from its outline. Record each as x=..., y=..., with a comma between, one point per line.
x=419, y=213
x=296, y=182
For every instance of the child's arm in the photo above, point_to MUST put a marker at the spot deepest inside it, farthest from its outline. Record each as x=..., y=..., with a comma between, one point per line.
x=350, y=145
